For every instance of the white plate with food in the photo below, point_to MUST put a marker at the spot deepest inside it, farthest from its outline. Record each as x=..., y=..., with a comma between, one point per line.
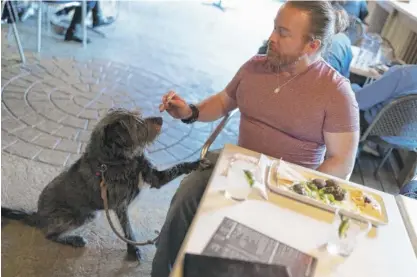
x=314, y=188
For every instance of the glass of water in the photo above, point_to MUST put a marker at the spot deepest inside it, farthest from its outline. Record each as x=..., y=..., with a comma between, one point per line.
x=239, y=177
x=345, y=233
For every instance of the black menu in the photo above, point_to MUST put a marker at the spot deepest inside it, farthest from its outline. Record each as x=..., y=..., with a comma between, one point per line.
x=236, y=241
x=208, y=266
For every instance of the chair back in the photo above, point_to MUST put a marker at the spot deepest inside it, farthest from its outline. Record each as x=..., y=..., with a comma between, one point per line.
x=355, y=30
x=397, y=118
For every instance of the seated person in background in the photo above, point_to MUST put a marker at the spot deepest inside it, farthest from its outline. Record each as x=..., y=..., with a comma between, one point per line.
x=293, y=105
x=339, y=55
x=357, y=8
x=410, y=189
x=74, y=31
x=397, y=81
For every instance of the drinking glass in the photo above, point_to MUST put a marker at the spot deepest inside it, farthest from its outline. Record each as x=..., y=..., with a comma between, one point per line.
x=369, y=48
x=345, y=234
x=238, y=187
x=387, y=55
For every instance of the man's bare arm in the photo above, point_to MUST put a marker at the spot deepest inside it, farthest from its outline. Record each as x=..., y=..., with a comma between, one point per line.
x=216, y=106
x=341, y=154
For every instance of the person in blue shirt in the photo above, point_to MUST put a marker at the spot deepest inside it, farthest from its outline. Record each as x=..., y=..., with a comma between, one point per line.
x=410, y=189
x=357, y=8
x=339, y=55
x=398, y=81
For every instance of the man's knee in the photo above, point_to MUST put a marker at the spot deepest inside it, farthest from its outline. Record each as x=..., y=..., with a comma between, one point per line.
x=192, y=187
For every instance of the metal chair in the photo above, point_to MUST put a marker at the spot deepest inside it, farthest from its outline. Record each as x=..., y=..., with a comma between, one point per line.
x=396, y=119
x=215, y=133
x=356, y=30
x=14, y=17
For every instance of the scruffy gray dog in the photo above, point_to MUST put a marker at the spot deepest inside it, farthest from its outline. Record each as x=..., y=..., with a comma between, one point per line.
x=73, y=197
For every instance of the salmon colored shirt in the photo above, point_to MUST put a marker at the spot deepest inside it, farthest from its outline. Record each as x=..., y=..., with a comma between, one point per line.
x=290, y=124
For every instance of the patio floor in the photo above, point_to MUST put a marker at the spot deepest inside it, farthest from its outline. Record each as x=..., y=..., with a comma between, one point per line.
x=50, y=105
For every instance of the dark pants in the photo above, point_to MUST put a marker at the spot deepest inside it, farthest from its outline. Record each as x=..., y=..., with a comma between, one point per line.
x=363, y=123
x=410, y=189
x=181, y=212
x=9, y=12
x=77, y=17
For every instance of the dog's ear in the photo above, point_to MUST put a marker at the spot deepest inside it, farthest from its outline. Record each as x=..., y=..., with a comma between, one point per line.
x=117, y=134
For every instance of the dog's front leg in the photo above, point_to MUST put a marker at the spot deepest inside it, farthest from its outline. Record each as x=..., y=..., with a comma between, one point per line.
x=122, y=214
x=156, y=178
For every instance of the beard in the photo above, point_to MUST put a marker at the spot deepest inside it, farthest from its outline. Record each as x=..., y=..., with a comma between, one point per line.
x=279, y=61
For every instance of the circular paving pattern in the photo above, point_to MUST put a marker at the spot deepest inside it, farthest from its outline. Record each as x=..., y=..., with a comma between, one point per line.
x=50, y=107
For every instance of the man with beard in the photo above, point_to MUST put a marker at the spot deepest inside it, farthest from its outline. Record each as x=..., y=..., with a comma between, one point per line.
x=293, y=106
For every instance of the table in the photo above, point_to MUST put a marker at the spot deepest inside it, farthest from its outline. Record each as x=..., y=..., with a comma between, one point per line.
x=387, y=250
x=355, y=68
x=408, y=209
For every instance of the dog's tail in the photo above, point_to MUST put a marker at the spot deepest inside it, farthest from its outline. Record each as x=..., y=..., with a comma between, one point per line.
x=29, y=218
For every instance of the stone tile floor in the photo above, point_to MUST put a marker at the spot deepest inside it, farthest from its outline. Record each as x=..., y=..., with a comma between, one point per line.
x=50, y=104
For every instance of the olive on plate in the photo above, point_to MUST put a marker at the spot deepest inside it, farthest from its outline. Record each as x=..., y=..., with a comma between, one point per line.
x=300, y=189
x=339, y=194
x=331, y=183
x=320, y=183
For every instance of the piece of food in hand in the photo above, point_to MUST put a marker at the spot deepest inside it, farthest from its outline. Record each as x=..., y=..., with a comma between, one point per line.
x=249, y=177
x=319, y=183
x=343, y=227
x=300, y=189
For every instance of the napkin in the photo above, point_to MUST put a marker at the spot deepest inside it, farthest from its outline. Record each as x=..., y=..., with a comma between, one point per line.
x=258, y=167
x=260, y=175
x=285, y=172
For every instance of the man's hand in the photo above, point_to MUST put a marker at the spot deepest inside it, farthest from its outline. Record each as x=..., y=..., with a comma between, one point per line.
x=341, y=154
x=210, y=109
x=175, y=106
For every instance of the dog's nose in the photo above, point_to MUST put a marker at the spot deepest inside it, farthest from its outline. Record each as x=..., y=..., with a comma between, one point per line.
x=157, y=120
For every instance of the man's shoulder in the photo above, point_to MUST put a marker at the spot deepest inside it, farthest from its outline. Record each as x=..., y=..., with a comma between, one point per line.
x=255, y=60
x=254, y=64
x=258, y=58
x=328, y=75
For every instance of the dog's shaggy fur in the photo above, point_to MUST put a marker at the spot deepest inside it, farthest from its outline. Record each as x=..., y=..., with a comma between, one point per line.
x=73, y=197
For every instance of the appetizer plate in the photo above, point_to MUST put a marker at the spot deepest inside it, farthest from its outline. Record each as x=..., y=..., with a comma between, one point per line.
x=314, y=188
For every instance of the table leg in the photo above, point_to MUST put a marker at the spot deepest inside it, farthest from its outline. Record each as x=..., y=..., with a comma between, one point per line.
x=39, y=26
x=13, y=14
x=84, y=22
x=2, y=6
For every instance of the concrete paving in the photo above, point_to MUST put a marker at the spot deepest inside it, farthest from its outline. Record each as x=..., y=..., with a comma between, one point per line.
x=50, y=104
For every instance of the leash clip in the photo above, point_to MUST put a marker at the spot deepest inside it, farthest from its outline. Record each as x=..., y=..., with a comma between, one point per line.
x=103, y=168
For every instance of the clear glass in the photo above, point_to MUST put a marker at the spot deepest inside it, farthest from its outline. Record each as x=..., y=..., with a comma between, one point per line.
x=369, y=49
x=238, y=187
x=386, y=55
x=344, y=244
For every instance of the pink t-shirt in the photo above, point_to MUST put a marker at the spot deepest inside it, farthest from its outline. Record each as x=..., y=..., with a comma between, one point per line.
x=290, y=124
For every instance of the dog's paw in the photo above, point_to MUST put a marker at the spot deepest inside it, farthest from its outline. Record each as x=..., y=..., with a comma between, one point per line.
x=133, y=253
x=205, y=164
x=76, y=241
